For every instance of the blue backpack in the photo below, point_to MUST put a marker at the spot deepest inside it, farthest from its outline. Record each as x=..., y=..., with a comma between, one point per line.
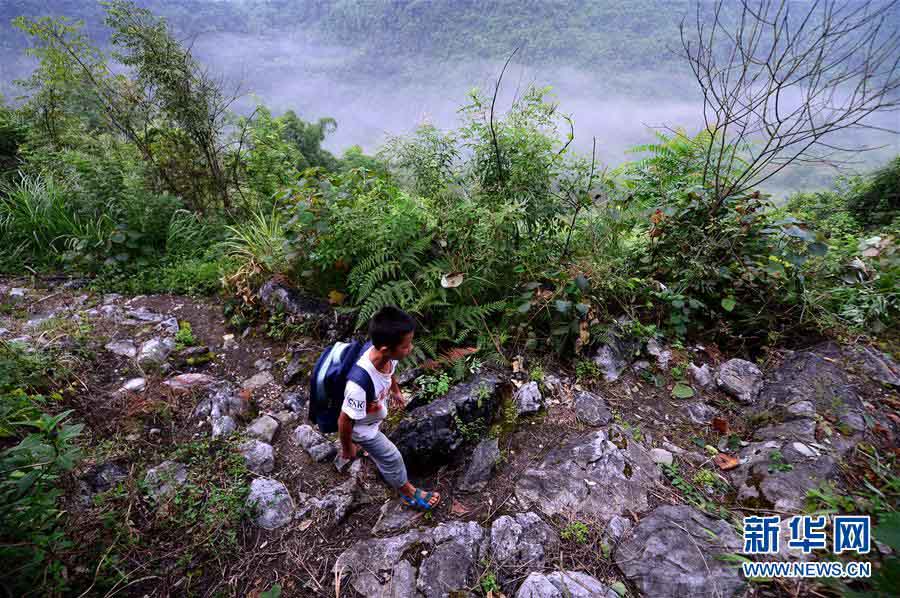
x=335, y=366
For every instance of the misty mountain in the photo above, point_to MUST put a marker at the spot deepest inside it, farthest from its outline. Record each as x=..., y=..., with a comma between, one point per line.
x=382, y=67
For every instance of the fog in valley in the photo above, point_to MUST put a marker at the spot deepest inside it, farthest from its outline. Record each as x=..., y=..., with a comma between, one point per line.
x=376, y=93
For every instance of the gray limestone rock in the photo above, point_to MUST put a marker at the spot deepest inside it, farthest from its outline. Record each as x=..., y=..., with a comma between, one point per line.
x=258, y=380
x=134, y=385
x=271, y=503
x=317, y=446
x=702, y=376
x=521, y=543
x=675, y=550
x=764, y=479
x=163, y=480
x=481, y=468
x=223, y=426
x=376, y=566
x=259, y=456
x=430, y=433
x=263, y=428
x=453, y=563
x=591, y=409
x=564, y=584
x=154, y=352
x=125, y=348
x=741, y=379
x=528, y=399
x=602, y=474
x=395, y=517
x=661, y=456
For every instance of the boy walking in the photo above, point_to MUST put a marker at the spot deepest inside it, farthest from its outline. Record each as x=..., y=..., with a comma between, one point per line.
x=391, y=331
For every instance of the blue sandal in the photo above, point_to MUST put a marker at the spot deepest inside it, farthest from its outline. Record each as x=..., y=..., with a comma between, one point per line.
x=418, y=501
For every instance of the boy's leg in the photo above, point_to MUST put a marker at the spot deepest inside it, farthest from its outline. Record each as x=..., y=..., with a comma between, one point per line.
x=391, y=465
x=388, y=459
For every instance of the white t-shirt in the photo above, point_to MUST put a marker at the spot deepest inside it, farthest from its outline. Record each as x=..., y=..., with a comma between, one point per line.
x=366, y=421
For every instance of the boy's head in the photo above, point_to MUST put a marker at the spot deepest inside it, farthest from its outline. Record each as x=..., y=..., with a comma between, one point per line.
x=391, y=331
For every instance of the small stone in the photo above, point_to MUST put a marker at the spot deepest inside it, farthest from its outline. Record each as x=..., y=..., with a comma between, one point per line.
x=223, y=426
x=285, y=416
x=702, y=375
x=699, y=412
x=741, y=379
x=259, y=456
x=263, y=428
x=484, y=459
x=188, y=382
x=154, y=432
x=16, y=295
x=134, y=385
x=124, y=348
x=258, y=381
x=618, y=526
x=132, y=437
x=295, y=401
x=528, y=399
x=262, y=364
x=168, y=326
x=154, y=352
x=271, y=503
x=661, y=456
x=591, y=409
x=144, y=315
x=663, y=356
x=165, y=478
x=111, y=298
x=323, y=452
x=228, y=341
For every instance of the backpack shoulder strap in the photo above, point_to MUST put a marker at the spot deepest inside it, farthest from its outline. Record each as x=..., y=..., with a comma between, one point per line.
x=361, y=377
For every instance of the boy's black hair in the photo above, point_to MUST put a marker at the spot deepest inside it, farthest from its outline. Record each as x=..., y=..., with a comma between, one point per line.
x=389, y=326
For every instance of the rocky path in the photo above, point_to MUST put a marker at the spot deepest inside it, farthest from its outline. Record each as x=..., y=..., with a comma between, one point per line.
x=552, y=486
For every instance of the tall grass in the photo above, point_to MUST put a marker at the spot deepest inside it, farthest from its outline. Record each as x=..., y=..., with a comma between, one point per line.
x=38, y=225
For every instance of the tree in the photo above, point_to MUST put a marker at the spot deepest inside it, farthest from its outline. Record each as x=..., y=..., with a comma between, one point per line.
x=166, y=104
x=779, y=79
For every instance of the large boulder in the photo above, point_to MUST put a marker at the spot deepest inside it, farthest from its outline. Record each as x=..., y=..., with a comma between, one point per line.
x=519, y=544
x=676, y=551
x=778, y=473
x=381, y=566
x=876, y=364
x=430, y=434
x=741, y=379
x=453, y=564
x=601, y=474
x=270, y=503
x=799, y=450
x=818, y=375
x=564, y=584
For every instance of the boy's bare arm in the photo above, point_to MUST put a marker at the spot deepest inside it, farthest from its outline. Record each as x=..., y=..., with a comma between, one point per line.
x=345, y=433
